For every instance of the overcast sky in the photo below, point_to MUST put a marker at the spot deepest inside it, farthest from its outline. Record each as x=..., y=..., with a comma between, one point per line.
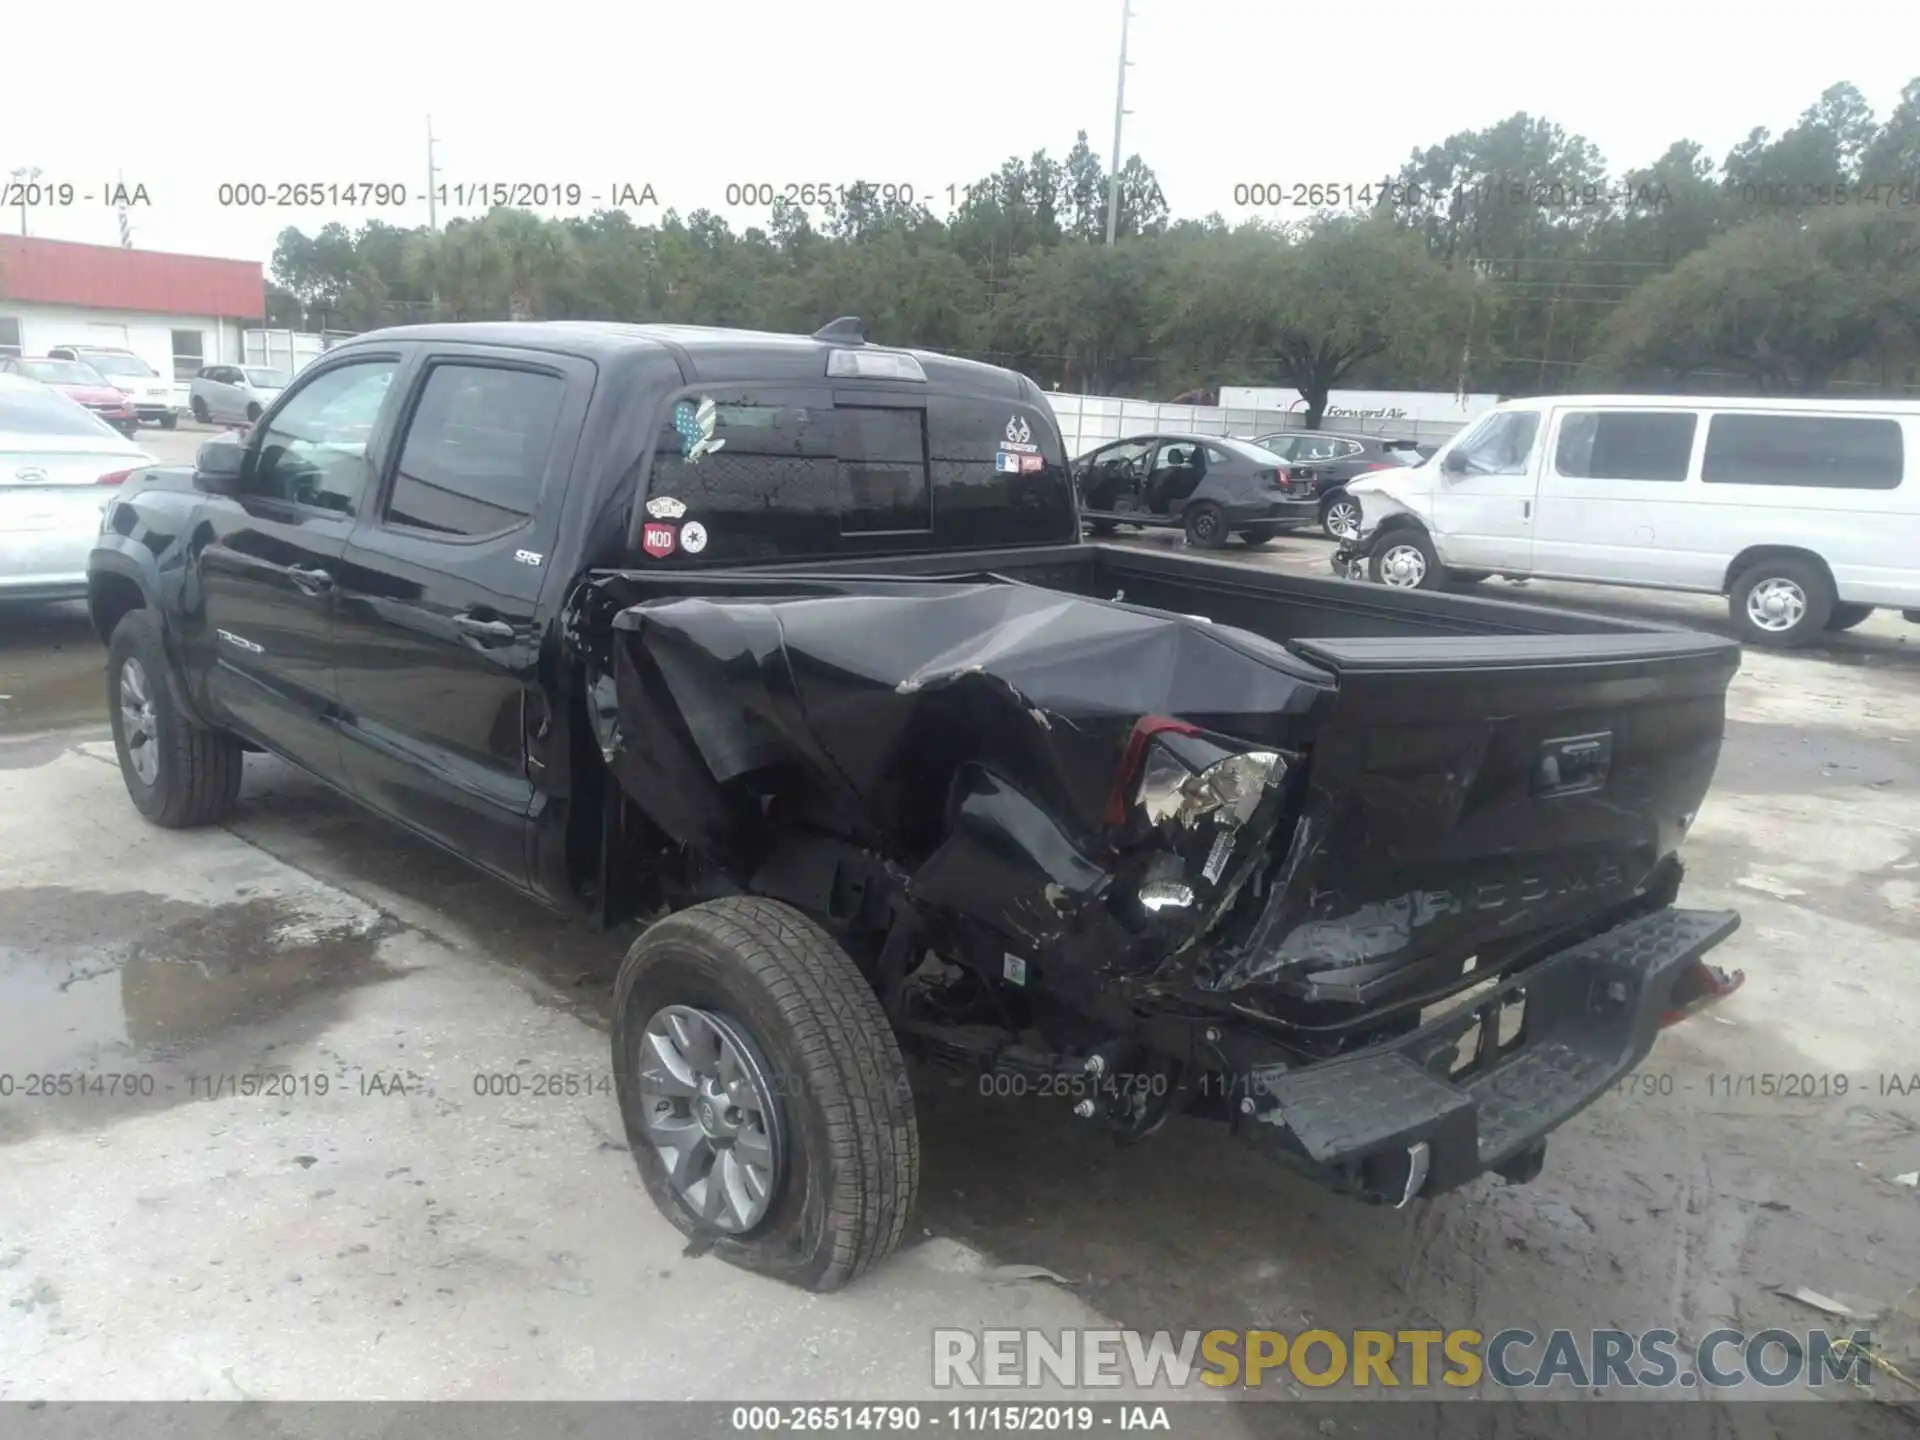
x=924, y=93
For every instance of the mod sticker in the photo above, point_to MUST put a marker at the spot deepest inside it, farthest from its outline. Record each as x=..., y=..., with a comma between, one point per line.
x=657, y=540
x=665, y=507
x=693, y=537
x=696, y=424
x=1020, y=436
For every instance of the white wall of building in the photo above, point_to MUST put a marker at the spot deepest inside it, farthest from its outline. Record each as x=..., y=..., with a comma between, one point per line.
x=149, y=336
x=1440, y=407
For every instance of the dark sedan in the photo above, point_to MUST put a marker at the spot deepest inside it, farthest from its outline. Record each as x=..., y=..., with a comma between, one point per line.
x=1338, y=459
x=1208, y=485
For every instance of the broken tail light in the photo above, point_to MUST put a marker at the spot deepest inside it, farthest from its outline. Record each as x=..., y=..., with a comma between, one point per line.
x=1195, y=796
x=1699, y=986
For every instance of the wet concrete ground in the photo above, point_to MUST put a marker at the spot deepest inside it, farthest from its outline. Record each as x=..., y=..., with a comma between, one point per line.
x=402, y=1236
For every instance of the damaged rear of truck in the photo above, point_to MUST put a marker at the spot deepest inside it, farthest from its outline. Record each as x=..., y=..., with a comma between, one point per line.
x=1385, y=882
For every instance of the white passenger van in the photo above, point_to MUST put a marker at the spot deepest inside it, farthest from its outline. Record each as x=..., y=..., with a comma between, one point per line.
x=1805, y=514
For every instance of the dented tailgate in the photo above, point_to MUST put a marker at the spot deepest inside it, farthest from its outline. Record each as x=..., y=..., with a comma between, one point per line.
x=1467, y=795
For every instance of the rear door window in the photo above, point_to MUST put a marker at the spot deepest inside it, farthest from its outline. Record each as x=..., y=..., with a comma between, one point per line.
x=1626, y=444
x=475, y=451
x=1830, y=452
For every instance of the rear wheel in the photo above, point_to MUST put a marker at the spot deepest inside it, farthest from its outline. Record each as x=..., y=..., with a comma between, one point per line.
x=1405, y=560
x=1846, y=616
x=1340, y=516
x=1782, y=603
x=1206, y=525
x=170, y=421
x=1258, y=534
x=177, y=771
x=198, y=404
x=253, y=411
x=765, y=1099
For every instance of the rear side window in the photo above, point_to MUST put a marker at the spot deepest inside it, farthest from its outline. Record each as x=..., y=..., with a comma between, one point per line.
x=883, y=470
x=1626, y=444
x=476, y=450
x=1829, y=452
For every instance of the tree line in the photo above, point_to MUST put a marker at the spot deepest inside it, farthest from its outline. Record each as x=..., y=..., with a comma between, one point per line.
x=1512, y=259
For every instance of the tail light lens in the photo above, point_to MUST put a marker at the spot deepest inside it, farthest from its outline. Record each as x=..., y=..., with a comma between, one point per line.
x=1126, y=778
x=1171, y=773
x=113, y=479
x=1699, y=986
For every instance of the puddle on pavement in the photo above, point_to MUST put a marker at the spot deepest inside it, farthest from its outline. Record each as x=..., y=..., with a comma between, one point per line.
x=107, y=998
x=52, y=670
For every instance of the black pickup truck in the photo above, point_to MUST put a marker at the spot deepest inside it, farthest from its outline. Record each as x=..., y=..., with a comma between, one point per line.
x=787, y=650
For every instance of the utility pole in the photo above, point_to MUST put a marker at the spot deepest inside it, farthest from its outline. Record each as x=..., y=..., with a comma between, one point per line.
x=1119, y=113
x=433, y=216
x=433, y=179
x=26, y=175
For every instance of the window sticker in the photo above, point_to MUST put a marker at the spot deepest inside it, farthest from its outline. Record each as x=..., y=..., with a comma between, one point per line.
x=696, y=424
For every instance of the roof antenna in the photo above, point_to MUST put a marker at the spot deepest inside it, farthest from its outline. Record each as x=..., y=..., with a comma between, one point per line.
x=847, y=330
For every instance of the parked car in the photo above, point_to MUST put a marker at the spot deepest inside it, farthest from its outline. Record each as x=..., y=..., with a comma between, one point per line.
x=758, y=640
x=55, y=461
x=157, y=400
x=1803, y=513
x=234, y=393
x=1335, y=461
x=80, y=383
x=1207, y=485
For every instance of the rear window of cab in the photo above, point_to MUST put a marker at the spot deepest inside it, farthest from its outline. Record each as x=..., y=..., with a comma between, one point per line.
x=769, y=473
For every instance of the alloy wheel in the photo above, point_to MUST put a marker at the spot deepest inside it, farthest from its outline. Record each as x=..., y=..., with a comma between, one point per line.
x=137, y=723
x=1343, y=520
x=708, y=1108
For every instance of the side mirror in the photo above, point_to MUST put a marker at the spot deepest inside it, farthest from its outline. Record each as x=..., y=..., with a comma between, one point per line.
x=1455, y=463
x=221, y=466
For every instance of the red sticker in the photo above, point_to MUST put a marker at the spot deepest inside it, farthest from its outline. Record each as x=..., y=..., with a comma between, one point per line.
x=657, y=540
x=1031, y=463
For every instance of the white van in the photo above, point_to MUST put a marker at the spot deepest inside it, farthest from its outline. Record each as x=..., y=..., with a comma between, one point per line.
x=1804, y=513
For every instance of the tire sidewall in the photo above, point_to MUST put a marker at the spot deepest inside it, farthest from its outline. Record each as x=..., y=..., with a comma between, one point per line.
x=684, y=968
x=1813, y=584
x=136, y=637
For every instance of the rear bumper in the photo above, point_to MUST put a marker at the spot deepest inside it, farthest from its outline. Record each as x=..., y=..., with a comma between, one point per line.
x=1408, y=1118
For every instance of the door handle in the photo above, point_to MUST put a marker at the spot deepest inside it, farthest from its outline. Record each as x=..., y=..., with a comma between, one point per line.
x=484, y=632
x=314, y=582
